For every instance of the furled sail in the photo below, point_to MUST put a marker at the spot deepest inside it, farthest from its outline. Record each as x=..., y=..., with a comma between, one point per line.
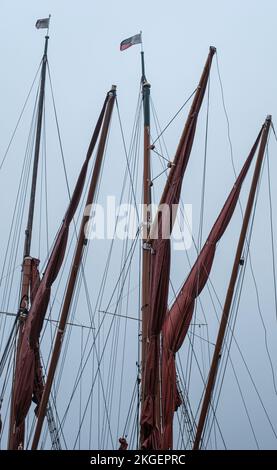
x=28, y=378
x=179, y=316
x=160, y=265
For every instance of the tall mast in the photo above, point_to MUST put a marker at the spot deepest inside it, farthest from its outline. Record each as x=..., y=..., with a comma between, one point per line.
x=146, y=219
x=28, y=232
x=146, y=247
x=82, y=241
x=230, y=292
x=26, y=265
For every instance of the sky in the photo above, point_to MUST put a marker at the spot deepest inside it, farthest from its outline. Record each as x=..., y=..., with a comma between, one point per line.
x=85, y=60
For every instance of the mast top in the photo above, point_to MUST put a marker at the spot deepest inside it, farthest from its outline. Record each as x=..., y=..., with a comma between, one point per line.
x=44, y=23
x=45, y=47
x=112, y=91
x=143, y=76
x=141, y=43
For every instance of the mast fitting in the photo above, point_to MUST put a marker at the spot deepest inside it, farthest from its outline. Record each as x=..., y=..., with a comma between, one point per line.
x=113, y=90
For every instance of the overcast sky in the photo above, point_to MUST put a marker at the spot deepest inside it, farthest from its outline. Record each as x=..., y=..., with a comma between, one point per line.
x=85, y=60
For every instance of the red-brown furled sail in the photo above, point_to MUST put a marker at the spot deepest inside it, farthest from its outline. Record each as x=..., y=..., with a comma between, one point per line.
x=231, y=287
x=160, y=265
x=27, y=378
x=179, y=316
x=27, y=258
x=76, y=263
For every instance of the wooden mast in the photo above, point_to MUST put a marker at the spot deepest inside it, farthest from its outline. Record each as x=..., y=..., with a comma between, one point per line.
x=28, y=232
x=230, y=291
x=26, y=265
x=146, y=253
x=82, y=241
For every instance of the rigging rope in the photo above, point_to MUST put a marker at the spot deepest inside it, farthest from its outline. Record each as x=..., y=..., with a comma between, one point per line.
x=235, y=308
x=175, y=115
x=184, y=215
x=130, y=254
x=200, y=232
x=19, y=119
x=10, y=258
x=272, y=232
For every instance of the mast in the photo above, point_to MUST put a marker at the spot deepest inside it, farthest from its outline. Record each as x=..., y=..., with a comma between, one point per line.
x=26, y=265
x=82, y=241
x=146, y=247
x=230, y=291
x=28, y=232
x=146, y=253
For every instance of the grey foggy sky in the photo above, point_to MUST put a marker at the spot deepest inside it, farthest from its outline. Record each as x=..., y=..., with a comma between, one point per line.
x=85, y=61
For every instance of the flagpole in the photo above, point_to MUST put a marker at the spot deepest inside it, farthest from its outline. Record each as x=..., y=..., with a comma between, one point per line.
x=47, y=34
x=143, y=77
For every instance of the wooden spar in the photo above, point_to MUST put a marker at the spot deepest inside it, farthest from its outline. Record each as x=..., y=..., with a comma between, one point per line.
x=230, y=291
x=197, y=97
x=146, y=254
x=26, y=265
x=82, y=240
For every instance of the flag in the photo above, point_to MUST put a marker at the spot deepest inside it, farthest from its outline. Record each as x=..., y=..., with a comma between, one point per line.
x=42, y=23
x=136, y=39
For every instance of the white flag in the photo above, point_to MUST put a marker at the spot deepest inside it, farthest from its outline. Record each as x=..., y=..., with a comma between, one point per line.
x=43, y=23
